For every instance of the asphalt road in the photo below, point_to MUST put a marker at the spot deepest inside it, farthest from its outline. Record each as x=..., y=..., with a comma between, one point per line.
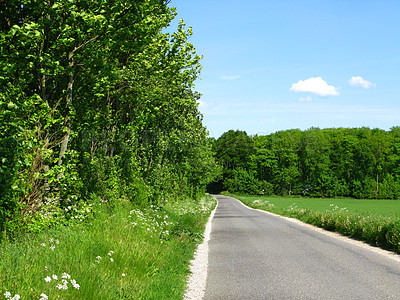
x=254, y=255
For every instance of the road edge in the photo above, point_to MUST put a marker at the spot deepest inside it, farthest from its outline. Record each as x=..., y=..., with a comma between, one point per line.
x=196, y=283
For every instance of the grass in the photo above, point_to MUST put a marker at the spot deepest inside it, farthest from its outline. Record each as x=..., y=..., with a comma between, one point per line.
x=387, y=208
x=374, y=221
x=123, y=253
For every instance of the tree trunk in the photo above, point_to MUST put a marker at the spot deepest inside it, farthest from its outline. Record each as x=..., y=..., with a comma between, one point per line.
x=64, y=142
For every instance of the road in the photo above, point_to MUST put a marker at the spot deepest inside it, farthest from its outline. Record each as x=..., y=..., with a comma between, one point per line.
x=254, y=255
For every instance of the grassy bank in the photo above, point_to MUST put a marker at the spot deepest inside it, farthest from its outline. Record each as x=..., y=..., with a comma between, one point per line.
x=122, y=253
x=374, y=221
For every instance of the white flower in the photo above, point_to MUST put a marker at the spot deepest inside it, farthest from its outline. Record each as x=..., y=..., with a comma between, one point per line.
x=43, y=297
x=52, y=247
x=57, y=242
x=55, y=277
x=51, y=240
x=65, y=276
x=16, y=297
x=43, y=244
x=123, y=274
x=62, y=286
x=111, y=259
x=47, y=279
x=74, y=284
x=7, y=295
x=98, y=257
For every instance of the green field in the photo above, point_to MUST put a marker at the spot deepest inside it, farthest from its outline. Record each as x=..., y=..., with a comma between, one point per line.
x=387, y=208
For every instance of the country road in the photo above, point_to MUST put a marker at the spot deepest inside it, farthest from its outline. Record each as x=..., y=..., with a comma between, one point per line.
x=255, y=255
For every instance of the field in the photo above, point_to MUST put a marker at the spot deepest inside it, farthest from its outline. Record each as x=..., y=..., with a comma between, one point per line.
x=387, y=208
x=122, y=253
x=376, y=222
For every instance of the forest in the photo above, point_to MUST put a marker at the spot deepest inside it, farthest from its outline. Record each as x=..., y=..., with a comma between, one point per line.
x=97, y=102
x=347, y=162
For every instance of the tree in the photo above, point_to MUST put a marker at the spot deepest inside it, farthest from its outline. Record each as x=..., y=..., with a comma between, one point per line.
x=101, y=101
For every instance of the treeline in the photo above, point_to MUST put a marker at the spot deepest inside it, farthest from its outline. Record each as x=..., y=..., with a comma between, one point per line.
x=96, y=102
x=349, y=162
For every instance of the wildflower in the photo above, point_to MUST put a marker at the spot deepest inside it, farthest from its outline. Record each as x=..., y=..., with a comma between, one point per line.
x=65, y=276
x=74, y=284
x=55, y=277
x=98, y=257
x=57, y=242
x=7, y=295
x=110, y=253
x=43, y=244
x=43, y=297
x=63, y=286
x=111, y=259
x=51, y=240
x=52, y=247
x=47, y=279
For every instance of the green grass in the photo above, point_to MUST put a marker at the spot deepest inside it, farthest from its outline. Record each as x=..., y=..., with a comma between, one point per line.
x=387, y=208
x=374, y=221
x=123, y=253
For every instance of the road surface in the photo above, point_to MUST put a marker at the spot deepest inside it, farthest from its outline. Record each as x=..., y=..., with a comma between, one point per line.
x=254, y=255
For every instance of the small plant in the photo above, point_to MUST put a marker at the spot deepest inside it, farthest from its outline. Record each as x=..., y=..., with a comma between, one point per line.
x=8, y=295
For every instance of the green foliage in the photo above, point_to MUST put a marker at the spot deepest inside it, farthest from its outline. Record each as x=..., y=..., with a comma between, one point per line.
x=244, y=182
x=95, y=98
x=350, y=162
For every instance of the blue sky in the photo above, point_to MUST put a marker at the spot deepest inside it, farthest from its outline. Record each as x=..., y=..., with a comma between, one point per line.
x=277, y=65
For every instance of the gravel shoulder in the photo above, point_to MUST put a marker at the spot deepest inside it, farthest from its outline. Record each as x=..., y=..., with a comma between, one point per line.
x=196, y=285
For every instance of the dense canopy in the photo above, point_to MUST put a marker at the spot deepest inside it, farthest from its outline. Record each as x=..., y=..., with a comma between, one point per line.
x=96, y=100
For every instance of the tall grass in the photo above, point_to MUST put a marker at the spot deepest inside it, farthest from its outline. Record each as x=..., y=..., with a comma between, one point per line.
x=123, y=253
x=378, y=230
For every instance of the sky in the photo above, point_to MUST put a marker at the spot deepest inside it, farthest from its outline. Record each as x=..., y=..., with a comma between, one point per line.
x=276, y=65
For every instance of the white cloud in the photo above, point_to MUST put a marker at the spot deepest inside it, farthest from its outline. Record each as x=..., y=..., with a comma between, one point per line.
x=315, y=85
x=305, y=99
x=230, y=77
x=358, y=81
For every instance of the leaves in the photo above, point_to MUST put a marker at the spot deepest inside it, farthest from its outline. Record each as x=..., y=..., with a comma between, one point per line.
x=351, y=162
x=97, y=98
